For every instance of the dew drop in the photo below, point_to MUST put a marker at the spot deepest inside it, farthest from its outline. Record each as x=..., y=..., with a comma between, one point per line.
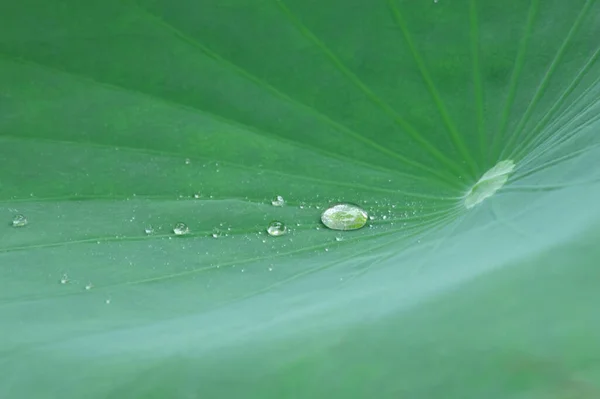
x=89, y=286
x=278, y=201
x=188, y=161
x=339, y=238
x=64, y=279
x=276, y=229
x=344, y=217
x=181, y=229
x=197, y=195
x=19, y=221
x=149, y=230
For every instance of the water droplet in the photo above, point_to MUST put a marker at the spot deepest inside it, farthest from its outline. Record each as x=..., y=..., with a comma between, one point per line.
x=217, y=233
x=489, y=183
x=107, y=301
x=181, y=229
x=64, y=279
x=278, y=201
x=149, y=230
x=344, y=217
x=276, y=229
x=188, y=161
x=338, y=238
x=89, y=286
x=197, y=195
x=19, y=221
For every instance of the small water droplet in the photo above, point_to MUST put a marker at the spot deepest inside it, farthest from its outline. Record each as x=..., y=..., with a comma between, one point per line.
x=181, y=229
x=64, y=279
x=276, y=229
x=278, y=201
x=338, y=238
x=197, y=195
x=326, y=249
x=19, y=221
x=188, y=161
x=344, y=217
x=89, y=286
x=149, y=230
x=107, y=301
x=270, y=269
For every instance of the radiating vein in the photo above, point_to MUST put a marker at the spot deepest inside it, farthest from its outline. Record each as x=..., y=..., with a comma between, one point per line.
x=537, y=139
x=442, y=175
x=335, y=183
x=518, y=131
x=261, y=132
x=262, y=258
x=519, y=175
x=417, y=237
x=195, y=234
x=477, y=83
x=455, y=136
x=223, y=265
x=514, y=79
x=548, y=146
x=407, y=127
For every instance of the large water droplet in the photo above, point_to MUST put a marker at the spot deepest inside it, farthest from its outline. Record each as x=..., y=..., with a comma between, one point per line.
x=19, y=221
x=344, y=217
x=276, y=229
x=278, y=201
x=490, y=182
x=181, y=229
